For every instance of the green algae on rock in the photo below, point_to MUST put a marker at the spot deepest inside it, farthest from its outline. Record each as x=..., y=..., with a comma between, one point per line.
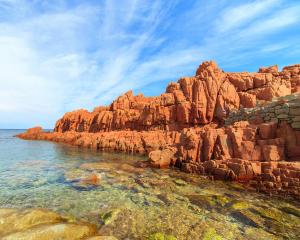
x=161, y=236
x=102, y=238
x=291, y=210
x=238, y=205
x=247, y=218
x=211, y=234
x=108, y=217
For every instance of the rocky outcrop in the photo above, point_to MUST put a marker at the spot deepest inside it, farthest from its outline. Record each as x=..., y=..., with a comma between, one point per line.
x=208, y=96
x=265, y=155
x=198, y=125
x=163, y=158
x=125, y=141
x=41, y=224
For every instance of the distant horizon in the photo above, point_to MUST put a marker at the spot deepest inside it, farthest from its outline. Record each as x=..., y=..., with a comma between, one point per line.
x=23, y=128
x=58, y=56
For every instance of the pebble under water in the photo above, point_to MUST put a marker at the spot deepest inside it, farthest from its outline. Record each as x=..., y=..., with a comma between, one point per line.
x=130, y=202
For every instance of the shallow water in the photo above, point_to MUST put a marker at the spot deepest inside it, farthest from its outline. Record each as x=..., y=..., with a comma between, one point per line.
x=130, y=202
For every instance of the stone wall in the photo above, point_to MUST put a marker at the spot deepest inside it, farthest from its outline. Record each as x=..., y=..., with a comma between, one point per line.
x=285, y=108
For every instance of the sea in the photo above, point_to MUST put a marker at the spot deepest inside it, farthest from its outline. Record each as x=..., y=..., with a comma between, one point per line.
x=130, y=201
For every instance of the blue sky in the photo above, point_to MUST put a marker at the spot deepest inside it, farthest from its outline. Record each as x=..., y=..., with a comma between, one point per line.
x=56, y=56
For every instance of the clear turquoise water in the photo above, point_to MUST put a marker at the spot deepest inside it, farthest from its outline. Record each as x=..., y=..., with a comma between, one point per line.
x=130, y=202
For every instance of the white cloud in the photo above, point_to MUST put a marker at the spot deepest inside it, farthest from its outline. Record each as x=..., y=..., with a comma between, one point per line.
x=234, y=17
x=57, y=61
x=281, y=19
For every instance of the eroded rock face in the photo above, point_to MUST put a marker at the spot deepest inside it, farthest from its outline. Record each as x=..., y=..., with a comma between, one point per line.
x=210, y=95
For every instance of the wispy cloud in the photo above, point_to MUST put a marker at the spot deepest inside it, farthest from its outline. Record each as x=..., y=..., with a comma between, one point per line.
x=58, y=56
x=234, y=17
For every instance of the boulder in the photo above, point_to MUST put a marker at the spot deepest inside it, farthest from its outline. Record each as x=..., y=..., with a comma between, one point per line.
x=66, y=231
x=34, y=130
x=162, y=158
x=41, y=224
x=271, y=69
x=273, y=153
x=247, y=100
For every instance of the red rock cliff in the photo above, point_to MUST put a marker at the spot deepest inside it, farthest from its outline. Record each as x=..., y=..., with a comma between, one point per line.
x=208, y=96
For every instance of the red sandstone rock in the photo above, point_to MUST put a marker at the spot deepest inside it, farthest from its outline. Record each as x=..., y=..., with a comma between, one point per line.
x=223, y=148
x=184, y=127
x=272, y=69
x=162, y=158
x=273, y=153
x=210, y=94
x=227, y=100
x=247, y=100
x=290, y=137
x=267, y=130
x=92, y=179
x=34, y=130
x=242, y=81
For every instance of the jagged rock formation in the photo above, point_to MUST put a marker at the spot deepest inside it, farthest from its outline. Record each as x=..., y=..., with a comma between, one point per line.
x=208, y=96
x=184, y=127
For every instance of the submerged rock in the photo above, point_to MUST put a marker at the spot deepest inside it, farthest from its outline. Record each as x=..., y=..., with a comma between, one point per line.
x=83, y=180
x=161, y=236
x=110, y=167
x=166, y=198
x=109, y=216
x=92, y=179
x=211, y=234
x=180, y=182
x=208, y=201
x=291, y=210
x=252, y=233
x=74, y=175
x=247, y=218
x=41, y=224
x=267, y=213
x=12, y=220
x=238, y=205
x=65, y=231
x=102, y=238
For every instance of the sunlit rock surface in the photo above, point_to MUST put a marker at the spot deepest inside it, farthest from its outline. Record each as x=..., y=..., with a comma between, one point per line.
x=193, y=126
x=208, y=96
x=41, y=224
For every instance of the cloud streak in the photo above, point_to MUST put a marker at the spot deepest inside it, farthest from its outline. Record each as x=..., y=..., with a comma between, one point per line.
x=56, y=57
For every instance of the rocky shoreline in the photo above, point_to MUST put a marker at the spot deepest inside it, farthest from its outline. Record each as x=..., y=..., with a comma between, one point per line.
x=199, y=126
